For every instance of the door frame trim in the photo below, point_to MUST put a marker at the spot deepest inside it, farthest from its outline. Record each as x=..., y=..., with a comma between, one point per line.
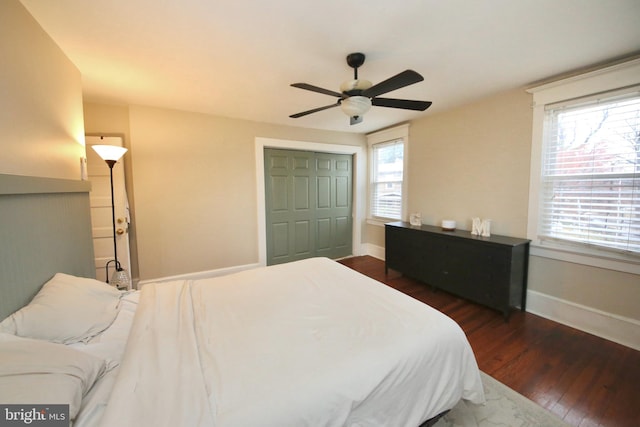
x=359, y=185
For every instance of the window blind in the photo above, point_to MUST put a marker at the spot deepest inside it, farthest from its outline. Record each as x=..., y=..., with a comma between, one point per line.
x=591, y=173
x=386, y=180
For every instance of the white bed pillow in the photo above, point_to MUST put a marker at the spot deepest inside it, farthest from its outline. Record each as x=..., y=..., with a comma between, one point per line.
x=66, y=310
x=40, y=372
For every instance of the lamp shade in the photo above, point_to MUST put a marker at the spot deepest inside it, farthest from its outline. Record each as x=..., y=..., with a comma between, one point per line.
x=109, y=152
x=355, y=105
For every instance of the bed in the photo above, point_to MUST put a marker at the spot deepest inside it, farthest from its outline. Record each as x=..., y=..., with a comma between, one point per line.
x=309, y=343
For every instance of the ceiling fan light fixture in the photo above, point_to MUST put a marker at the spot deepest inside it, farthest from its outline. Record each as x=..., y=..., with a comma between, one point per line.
x=355, y=105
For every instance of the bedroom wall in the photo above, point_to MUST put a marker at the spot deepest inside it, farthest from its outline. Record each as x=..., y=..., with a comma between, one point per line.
x=194, y=184
x=41, y=103
x=474, y=161
x=471, y=161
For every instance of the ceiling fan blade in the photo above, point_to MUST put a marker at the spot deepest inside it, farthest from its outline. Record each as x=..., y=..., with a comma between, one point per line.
x=405, y=104
x=316, y=89
x=405, y=78
x=315, y=110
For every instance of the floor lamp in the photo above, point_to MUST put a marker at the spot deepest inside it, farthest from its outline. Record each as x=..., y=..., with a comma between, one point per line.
x=111, y=154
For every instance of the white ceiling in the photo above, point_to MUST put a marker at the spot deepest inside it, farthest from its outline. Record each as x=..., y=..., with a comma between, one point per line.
x=237, y=58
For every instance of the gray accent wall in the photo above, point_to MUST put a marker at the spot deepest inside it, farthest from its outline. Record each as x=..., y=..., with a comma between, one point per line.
x=45, y=228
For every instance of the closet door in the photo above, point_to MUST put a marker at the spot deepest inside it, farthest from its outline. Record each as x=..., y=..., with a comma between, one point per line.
x=308, y=205
x=333, y=219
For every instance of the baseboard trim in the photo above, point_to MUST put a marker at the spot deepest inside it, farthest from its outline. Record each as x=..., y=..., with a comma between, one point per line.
x=201, y=274
x=373, y=250
x=619, y=329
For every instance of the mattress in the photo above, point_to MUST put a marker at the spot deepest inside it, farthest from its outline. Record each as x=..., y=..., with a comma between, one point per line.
x=309, y=343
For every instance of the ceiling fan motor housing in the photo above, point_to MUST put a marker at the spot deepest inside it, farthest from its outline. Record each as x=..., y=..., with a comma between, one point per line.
x=354, y=87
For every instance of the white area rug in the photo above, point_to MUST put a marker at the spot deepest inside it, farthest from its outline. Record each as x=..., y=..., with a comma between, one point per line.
x=504, y=407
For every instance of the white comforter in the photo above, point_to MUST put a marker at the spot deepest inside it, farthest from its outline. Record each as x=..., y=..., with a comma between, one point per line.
x=310, y=343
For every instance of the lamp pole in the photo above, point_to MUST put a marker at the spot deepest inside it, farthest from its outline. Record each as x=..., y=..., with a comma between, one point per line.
x=111, y=163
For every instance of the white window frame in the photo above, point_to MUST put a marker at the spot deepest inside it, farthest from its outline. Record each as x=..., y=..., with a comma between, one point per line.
x=389, y=135
x=615, y=78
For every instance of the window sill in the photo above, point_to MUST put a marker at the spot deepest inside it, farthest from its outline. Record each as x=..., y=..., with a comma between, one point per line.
x=380, y=222
x=623, y=263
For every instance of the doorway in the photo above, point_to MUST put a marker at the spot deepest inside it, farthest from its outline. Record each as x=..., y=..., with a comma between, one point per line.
x=308, y=204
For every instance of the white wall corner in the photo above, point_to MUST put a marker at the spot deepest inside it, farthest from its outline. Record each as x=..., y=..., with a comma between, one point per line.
x=374, y=251
x=619, y=329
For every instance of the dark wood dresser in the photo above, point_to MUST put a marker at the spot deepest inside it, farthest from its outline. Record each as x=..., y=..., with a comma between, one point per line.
x=488, y=270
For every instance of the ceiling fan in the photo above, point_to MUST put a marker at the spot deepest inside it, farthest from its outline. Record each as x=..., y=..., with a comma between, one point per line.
x=358, y=95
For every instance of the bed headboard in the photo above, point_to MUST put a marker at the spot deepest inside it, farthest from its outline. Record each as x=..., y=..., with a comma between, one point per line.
x=45, y=228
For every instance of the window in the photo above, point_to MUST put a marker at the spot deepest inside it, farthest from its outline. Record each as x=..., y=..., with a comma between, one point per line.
x=584, y=197
x=387, y=173
x=591, y=173
x=386, y=180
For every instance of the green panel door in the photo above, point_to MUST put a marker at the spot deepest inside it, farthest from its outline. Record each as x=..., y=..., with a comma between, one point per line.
x=333, y=205
x=308, y=201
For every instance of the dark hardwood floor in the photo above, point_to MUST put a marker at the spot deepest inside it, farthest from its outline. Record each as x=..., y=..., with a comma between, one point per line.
x=585, y=380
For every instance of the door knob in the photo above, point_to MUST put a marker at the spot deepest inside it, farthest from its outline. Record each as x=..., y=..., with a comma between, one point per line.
x=120, y=231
